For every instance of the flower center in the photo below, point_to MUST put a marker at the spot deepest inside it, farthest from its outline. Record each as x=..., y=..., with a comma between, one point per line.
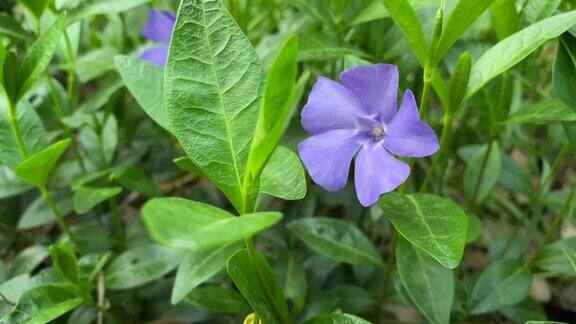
x=378, y=131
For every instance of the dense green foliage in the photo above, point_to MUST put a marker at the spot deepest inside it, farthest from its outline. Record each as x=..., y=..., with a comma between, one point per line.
x=132, y=192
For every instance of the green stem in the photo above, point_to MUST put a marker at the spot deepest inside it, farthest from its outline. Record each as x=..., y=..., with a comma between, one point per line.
x=13, y=119
x=59, y=217
x=444, y=143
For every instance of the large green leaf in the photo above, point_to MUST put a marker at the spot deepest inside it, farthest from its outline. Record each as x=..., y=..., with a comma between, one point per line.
x=515, y=48
x=545, y=111
x=259, y=284
x=31, y=127
x=37, y=167
x=278, y=106
x=40, y=54
x=434, y=224
x=283, y=176
x=337, y=318
x=336, y=239
x=43, y=304
x=212, y=88
x=89, y=8
x=199, y=266
x=428, y=283
x=140, y=265
x=482, y=173
x=85, y=198
x=405, y=17
x=10, y=28
x=557, y=258
x=461, y=17
x=188, y=224
x=145, y=81
x=503, y=283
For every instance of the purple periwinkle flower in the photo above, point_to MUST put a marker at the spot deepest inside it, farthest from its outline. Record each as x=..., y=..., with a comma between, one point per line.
x=158, y=29
x=358, y=117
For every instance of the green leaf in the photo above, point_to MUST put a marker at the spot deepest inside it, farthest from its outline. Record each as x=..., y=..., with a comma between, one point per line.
x=405, y=17
x=376, y=10
x=570, y=130
x=482, y=173
x=283, y=176
x=503, y=283
x=36, y=168
x=475, y=229
x=12, y=29
x=199, y=266
x=434, y=224
x=28, y=260
x=40, y=54
x=36, y=7
x=336, y=239
x=219, y=299
x=85, y=198
x=429, y=284
x=527, y=310
x=461, y=18
x=337, y=318
x=321, y=47
x=278, y=106
x=505, y=18
x=537, y=10
x=89, y=8
x=43, y=304
x=259, y=285
x=188, y=224
x=545, y=111
x=564, y=72
x=515, y=48
x=145, y=81
x=557, y=258
x=10, y=184
x=213, y=93
x=459, y=81
x=38, y=213
x=296, y=286
x=31, y=128
x=93, y=64
x=65, y=261
x=140, y=265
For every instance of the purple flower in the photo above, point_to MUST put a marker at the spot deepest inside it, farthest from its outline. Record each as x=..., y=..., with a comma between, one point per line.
x=158, y=29
x=359, y=115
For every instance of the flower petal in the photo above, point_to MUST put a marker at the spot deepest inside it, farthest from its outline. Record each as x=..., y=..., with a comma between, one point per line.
x=327, y=157
x=330, y=106
x=376, y=86
x=376, y=172
x=407, y=135
x=159, y=26
x=156, y=55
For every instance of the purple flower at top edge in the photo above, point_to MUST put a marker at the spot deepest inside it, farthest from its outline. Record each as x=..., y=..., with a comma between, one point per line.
x=358, y=117
x=158, y=29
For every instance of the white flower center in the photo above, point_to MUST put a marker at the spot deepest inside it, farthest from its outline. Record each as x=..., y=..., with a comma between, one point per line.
x=378, y=131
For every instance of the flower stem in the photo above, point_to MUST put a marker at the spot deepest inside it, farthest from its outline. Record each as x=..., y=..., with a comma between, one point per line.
x=59, y=217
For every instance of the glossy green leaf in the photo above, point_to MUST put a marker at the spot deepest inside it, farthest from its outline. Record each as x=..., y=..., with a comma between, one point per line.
x=558, y=257
x=429, y=284
x=459, y=81
x=10, y=28
x=405, y=17
x=89, y=8
x=43, y=304
x=515, y=48
x=283, y=176
x=337, y=318
x=199, y=266
x=259, y=284
x=145, y=81
x=503, y=283
x=85, y=198
x=140, y=265
x=434, y=224
x=545, y=111
x=461, y=18
x=377, y=10
x=482, y=173
x=336, y=239
x=188, y=224
x=40, y=54
x=219, y=299
x=537, y=10
x=36, y=168
x=36, y=7
x=65, y=261
x=32, y=130
x=278, y=106
x=213, y=85
x=505, y=18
